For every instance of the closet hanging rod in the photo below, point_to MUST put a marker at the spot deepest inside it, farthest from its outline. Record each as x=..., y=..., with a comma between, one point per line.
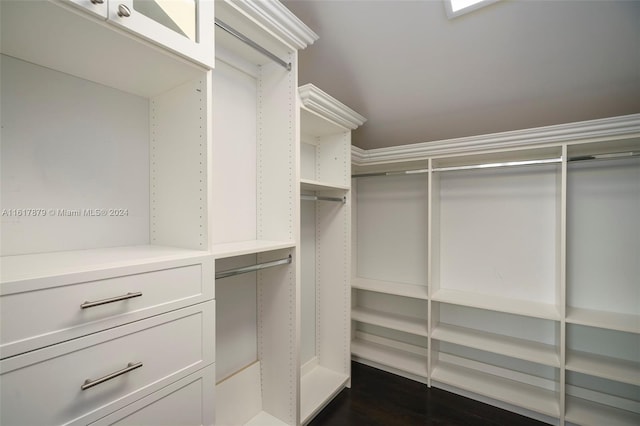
x=395, y=173
x=609, y=156
x=252, y=268
x=497, y=165
x=253, y=44
x=321, y=198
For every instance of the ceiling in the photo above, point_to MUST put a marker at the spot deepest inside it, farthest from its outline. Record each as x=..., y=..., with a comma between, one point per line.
x=418, y=76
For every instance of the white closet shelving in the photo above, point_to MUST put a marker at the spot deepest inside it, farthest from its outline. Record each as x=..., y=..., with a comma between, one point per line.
x=390, y=294
x=532, y=265
x=105, y=192
x=255, y=209
x=325, y=247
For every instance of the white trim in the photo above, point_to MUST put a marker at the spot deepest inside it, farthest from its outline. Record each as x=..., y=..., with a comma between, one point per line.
x=582, y=131
x=275, y=17
x=328, y=107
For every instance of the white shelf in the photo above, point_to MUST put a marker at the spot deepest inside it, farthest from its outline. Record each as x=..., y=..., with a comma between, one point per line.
x=410, y=362
x=504, y=345
x=602, y=319
x=490, y=302
x=393, y=288
x=317, y=388
x=221, y=251
x=587, y=413
x=605, y=367
x=313, y=185
x=21, y=268
x=404, y=323
x=510, y=391
x=265, y=419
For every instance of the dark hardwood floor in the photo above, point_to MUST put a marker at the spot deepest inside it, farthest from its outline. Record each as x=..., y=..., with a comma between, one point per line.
x=378, y=398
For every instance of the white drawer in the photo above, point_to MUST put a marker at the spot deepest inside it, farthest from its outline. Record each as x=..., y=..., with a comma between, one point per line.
x=42, y=312
x=187, y=402
x=43, y=387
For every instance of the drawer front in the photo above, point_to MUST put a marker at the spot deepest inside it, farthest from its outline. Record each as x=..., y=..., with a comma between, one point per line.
x=187, y=402
x=44, y=387
x=46, y=316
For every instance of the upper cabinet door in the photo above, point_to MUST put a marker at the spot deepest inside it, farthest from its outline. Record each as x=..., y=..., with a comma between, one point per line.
x=95, y=7
x=184, y=26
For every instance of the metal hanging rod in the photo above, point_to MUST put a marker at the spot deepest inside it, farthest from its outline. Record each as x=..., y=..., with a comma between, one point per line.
x=252, y=268
x=396, y=173
x=496, y=165
x=253, y=44
x=467, y=167
x=321, y=198
x=610, y=156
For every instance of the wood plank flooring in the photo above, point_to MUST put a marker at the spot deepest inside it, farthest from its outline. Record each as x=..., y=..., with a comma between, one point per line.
x=378, y=398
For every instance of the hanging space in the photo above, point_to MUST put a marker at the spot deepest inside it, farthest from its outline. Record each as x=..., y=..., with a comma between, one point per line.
x=325, y=247
x=254, y=213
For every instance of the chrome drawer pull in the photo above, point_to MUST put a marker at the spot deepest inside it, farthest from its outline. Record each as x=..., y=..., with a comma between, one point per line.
x=91, y=383
x=86, y=305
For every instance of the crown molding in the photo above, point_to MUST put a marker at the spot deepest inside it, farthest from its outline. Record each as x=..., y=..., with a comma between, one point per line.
x=582, y=131
x=275, y=17
x=328, y=107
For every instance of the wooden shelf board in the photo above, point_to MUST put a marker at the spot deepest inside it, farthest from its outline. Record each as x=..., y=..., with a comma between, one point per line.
x=389, y=287
x=394, y=321
x=43, y=265
x=588, y=413
x=314, y=185
x=240, y=248
x=412, y=363
x=500, y=344
x=610, y=320
x=605, y=367
x=510, y=391
x=317, y=389
x=494, y=303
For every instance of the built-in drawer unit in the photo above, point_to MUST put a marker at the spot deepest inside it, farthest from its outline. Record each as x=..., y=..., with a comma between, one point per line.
x=83, y=298
x=187, y=402
x=82, y=380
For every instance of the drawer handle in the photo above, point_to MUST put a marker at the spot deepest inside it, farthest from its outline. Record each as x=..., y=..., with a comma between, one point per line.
x=127, y=296
x=91, y=383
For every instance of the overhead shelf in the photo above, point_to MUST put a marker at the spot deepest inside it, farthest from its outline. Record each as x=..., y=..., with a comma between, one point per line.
x=240, y=248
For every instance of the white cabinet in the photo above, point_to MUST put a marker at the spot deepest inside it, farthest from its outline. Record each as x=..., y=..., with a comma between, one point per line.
x=78, y=381
x=325, y=247
x=105, y=222
x=517, y=282
x=185, y=27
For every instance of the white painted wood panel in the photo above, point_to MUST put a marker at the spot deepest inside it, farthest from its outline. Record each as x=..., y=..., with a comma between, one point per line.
x=498, y=233
x=308, y=284
x=392, y=229
x=69, y=146
x=234, y=154
x=604, y=236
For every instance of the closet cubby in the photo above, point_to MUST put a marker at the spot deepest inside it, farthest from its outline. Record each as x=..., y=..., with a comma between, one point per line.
x=495, y=239
x=93, y=156
x=325, y=247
